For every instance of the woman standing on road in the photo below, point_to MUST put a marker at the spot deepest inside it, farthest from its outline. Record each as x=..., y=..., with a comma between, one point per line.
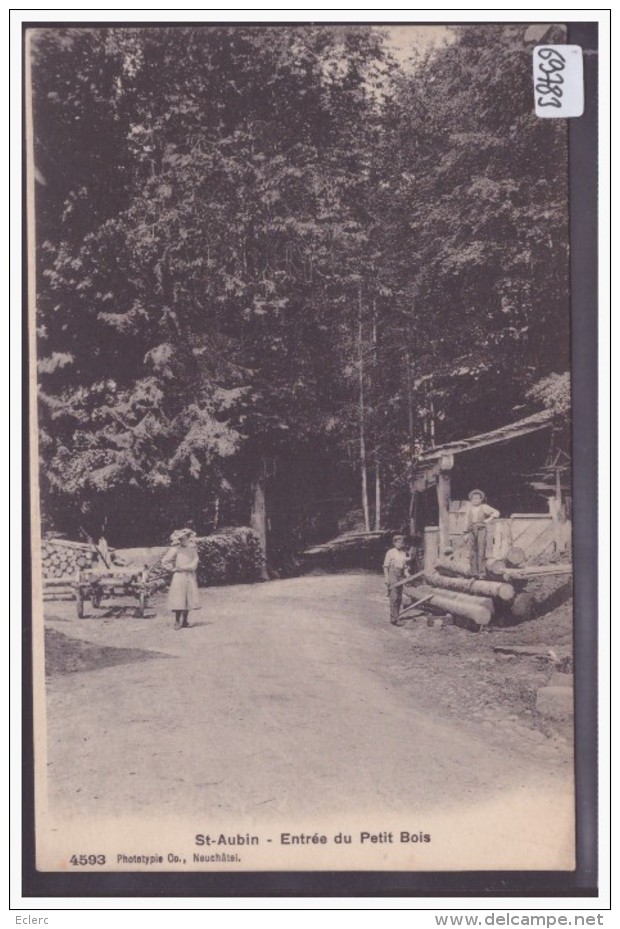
x=182, y=560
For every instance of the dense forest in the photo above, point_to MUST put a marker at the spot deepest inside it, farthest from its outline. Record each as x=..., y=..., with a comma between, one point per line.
x=275, y=263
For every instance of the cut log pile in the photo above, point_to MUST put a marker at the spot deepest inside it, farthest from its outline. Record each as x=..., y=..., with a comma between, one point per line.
x=467, y=585
x=349, y=541
x=349, y=550
x=60, y=557
x=448, y=586
x=479, y=610
x=61, y=560
x=229, y=556
x=59, y=588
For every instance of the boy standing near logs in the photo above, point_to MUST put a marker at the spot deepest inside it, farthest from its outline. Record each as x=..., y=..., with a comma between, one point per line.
x=479, y=515
x=395, y=564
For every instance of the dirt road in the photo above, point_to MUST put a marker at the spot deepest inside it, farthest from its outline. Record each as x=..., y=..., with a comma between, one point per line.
x=284, y=698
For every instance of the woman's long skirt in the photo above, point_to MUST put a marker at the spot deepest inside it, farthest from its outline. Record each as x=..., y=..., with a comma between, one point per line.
x=183, y=593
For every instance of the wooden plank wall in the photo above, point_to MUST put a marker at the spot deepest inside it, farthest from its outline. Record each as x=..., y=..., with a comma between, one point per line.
x=536, y=533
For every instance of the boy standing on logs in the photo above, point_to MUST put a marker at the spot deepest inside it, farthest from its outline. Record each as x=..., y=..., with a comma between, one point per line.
x=394, y=565
x=479, y=515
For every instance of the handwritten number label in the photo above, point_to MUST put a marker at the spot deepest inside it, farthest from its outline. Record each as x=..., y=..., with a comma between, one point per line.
x=549, y=88
x=558, y=80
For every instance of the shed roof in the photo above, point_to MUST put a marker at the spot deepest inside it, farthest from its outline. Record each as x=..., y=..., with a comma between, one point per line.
x=532, y=423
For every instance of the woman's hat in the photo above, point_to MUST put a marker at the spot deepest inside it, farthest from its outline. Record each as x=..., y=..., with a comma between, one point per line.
x=480, y=492
x=179, y=534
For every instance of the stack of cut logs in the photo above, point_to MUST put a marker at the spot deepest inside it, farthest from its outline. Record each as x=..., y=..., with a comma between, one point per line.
x=61, y=560
x=448, y=588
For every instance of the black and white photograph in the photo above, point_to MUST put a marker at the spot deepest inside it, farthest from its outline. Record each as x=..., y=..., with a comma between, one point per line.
x=301, y=433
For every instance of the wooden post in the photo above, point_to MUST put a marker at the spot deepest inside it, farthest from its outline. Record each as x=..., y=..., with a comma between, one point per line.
x=431, y=547
x=555, y=510
x=443, y=501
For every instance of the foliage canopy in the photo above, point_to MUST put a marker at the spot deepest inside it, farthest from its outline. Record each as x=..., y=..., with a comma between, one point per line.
x=244, y=232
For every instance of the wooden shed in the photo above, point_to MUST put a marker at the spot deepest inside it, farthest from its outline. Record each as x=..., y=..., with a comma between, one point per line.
x=522, y=456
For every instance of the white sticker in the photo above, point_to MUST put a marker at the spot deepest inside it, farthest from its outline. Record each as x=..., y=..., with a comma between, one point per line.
x=558, y=80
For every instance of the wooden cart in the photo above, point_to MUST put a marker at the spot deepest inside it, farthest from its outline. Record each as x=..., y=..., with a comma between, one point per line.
x=98, y=585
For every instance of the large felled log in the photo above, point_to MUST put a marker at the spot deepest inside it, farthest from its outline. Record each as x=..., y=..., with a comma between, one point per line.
x=58, y=582
x=66, y=543
x=348, y=540
x=486, y=602
x=452, y=568
x=483, y=588
x=351, y=549
x=515, y=556
x=523, y=606
x=497, y=567
x=478, y=609
x=537, y=571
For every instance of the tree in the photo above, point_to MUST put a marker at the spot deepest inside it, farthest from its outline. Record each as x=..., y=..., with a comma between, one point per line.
x=218, y=274
x=273, y=264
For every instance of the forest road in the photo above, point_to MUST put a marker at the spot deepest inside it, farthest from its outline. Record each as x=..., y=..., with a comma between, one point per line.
x=284, y=699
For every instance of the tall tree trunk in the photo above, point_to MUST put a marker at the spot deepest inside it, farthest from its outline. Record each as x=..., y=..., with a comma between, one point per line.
x=376, y=387
x=414, y=513
x=410, y=413
x=258, y=516
x=413, y=522
x=414, y=499
x=362, y=415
